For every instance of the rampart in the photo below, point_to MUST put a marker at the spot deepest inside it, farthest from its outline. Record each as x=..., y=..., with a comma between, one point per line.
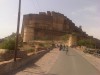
x=50, y=26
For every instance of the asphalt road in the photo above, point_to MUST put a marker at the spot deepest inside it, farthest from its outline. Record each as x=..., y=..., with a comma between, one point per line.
x=72, y=64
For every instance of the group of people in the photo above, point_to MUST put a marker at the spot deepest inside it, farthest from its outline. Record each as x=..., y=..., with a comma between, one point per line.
x=63, y=47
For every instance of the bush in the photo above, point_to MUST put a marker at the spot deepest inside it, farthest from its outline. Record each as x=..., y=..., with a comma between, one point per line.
x=81, y=43
x=8, y=44
x=86, y=42
x=65, y=38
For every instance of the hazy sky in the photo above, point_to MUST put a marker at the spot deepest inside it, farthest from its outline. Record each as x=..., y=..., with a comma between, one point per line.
x=82, y=12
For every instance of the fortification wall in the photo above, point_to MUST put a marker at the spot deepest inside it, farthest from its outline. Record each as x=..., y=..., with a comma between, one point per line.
x=58, y=21
x=72, y=40
x=48, y=24
x=28, y=34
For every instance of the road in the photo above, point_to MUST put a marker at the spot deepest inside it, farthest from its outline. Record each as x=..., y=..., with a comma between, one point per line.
x=40, y=67
x=72, y=64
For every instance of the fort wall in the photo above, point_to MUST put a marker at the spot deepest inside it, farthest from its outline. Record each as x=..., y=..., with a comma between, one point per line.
x=48, y=26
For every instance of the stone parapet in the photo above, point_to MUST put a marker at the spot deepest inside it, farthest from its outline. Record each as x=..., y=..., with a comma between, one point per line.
x=7, y=68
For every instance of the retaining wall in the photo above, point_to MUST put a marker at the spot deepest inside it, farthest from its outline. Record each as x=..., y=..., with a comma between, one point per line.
x=5, y=69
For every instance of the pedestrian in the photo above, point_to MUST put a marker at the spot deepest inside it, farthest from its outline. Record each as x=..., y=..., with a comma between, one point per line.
x=66, y=49
x=60, y=48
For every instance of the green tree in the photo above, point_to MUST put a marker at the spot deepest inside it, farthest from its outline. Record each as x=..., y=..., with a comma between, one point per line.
x=65, y=38
x=86, y=42
x=9, y=42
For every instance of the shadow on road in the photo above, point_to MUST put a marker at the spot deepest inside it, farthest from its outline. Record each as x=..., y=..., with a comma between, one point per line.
x=30, y=64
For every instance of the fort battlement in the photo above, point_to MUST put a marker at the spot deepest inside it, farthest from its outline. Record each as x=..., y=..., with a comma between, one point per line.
x=48, y=25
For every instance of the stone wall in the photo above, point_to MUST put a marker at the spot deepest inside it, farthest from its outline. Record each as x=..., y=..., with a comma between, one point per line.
x=7, y=68
x=72, y=40
x=28, y=34
x=50, y=21
x=50, y=25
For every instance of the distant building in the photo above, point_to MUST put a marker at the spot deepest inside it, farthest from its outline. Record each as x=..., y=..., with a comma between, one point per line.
x=49, y=26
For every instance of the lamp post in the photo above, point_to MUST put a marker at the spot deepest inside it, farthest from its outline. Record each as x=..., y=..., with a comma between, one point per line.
x=17, y=32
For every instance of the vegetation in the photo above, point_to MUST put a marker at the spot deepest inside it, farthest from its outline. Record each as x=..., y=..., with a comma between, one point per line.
x=8, y=42
x=45, y=45
x=65, y=38
x=86, y=42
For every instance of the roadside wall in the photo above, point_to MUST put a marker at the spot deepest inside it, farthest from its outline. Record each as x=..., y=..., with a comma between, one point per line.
x=5, y=69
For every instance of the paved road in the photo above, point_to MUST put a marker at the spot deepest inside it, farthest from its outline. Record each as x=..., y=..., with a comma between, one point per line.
x=72, y=64
x=41, y=67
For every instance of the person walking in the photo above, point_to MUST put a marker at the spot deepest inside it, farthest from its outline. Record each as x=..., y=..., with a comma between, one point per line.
x=66, y=49
x=60, y=47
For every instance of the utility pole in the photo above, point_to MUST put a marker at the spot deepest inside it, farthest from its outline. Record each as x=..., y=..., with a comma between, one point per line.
x=17, y=32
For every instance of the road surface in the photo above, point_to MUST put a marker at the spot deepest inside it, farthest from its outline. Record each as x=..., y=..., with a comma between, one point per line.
x=72, y=64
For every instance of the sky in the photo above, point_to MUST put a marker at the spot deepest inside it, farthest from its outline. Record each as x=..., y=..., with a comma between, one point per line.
x=82, y=12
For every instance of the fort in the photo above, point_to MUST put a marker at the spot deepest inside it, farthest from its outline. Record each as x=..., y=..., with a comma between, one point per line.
x=50, y=26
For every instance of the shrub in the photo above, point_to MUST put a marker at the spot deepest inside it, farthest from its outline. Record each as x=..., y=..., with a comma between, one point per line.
x=86, y=42
x=8, y=44
x=65, y=38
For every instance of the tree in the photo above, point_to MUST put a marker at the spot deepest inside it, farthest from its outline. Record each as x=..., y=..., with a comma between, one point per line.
x=86, y=42
x=8, y=42
x=65, y=38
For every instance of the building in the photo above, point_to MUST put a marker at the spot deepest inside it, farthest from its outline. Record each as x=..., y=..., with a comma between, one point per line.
x=50, y=26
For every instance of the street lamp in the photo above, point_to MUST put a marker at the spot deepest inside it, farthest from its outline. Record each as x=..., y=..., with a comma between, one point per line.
x=17, y=32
